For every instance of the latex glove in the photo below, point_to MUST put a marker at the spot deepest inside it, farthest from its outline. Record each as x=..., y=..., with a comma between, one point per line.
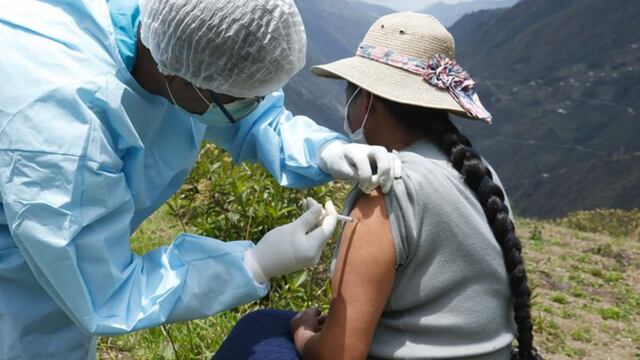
x=294, y=246
x=345, y=161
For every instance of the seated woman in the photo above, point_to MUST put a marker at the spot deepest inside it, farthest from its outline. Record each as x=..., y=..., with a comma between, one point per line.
x=434, y=269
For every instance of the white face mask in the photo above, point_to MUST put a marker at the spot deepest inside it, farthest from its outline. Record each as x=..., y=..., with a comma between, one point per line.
x=357, y=136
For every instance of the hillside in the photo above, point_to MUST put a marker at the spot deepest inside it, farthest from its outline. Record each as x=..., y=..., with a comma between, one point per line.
x=334, y=29
x=562, y=79
x=403, y=5
x=375, y=9
x=448, y=14
x=560, y=76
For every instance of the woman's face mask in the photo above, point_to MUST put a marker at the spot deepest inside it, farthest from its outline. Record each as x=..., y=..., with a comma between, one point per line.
x=357, y=136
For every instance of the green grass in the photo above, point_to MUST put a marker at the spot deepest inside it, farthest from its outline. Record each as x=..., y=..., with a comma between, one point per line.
x=199, y=339
x=586, y=280
x=587, y=285
x=227, y=202
x=616, y=223
x=559, y=298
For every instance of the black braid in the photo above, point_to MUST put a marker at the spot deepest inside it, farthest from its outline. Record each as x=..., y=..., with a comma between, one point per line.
x=436, y=125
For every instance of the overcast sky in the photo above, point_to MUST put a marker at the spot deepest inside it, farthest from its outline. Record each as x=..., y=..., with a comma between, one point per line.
x=411, y=4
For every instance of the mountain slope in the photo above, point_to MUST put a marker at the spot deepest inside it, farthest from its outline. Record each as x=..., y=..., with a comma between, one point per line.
x=375, y=9
x=403, y=5
x=562, y=79
x=448, y=14
x=334, y=29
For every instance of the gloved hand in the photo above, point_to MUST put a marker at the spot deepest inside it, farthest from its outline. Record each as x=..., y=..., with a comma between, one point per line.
x=345, y=161
x=294, y=246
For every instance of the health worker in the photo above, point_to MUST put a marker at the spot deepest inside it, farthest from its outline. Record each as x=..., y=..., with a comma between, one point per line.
x=104, y=106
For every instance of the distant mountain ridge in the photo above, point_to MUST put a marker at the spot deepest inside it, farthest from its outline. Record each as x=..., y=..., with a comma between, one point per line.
x=375, y=9
x=562, y=79
x=448, y=14
x=402, y=5
x=334, y=29
x=560, y=76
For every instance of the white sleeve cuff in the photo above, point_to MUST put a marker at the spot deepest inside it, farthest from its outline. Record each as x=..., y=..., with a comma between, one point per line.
x=254, y=269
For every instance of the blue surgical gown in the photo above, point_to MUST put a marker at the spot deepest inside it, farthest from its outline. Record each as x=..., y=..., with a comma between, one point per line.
x=86, y=154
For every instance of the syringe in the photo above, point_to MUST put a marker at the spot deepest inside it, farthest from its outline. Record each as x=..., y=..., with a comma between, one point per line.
x=346, y=218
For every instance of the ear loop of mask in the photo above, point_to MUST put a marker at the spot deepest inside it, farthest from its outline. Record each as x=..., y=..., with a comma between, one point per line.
x=217, y=102
x=366, y=117
x=346, y=125
x=166, y=84
x=201, y=96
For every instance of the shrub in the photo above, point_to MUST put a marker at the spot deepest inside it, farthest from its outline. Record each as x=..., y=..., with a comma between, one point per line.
x=226, y=201
x=229, y=202
x=243, y=202
x=617, y=223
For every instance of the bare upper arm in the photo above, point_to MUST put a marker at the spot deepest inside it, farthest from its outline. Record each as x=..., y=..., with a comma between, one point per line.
x=362, y=281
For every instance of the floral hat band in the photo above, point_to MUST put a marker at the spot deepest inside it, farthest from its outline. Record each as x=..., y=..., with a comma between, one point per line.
x=440, y=72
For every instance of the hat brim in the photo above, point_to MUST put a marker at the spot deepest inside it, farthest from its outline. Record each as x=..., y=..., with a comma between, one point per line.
x=391, y=83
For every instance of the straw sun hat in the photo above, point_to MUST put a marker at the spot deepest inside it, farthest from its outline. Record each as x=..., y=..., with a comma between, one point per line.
x=409, y=58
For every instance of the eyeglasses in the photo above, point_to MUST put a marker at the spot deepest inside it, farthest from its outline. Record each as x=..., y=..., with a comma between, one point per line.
x=216, y=101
